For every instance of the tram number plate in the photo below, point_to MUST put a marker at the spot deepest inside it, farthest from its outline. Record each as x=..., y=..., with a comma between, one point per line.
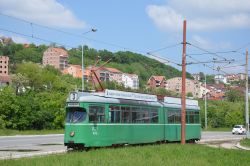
x=73, y=96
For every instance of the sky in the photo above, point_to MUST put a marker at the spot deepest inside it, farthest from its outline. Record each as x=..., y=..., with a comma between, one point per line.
x=215, y=28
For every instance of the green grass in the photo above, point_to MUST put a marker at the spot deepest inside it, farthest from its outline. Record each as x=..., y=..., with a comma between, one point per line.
x=7, y=132
x=150, y=155
x=217, y=129
x=245, y=142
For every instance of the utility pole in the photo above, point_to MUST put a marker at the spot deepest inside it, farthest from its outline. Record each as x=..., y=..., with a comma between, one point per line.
x=247, y=110
x=82, y=71
x=183, y=89
x=205, y=101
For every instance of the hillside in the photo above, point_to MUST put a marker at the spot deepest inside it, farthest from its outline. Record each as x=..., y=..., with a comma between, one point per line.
x=127, y=62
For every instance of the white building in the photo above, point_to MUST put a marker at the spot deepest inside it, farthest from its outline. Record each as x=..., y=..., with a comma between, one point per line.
x=203, y=91
x=130, y=81
x=220, y=78
x=196, y=77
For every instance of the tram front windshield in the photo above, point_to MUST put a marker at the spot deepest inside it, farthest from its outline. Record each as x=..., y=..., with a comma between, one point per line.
x=75, y=115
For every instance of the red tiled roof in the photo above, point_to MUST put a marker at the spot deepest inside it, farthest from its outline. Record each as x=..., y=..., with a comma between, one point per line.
x=159, y=78
x=113, y=70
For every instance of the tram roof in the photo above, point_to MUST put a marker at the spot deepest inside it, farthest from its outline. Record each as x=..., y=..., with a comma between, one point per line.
x=99, y=97
x=176, y=103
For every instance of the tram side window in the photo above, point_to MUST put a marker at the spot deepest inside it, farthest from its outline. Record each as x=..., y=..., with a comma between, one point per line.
x=154, y=116
x=145, y=115
x=115, y=114
x=174, y=116
x=96, y=114
x=135, y=114
x=192, y=117
x=196, y=117
x=126, y=114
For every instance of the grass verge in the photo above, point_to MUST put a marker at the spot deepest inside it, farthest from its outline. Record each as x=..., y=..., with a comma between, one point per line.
x=7, y=132
x=245, y=142
x=217, y=129
x=165, y=154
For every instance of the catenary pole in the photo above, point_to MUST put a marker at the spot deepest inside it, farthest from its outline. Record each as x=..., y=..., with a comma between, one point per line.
x=205, y=101
x=82, y=71
x=183, y=91
x=247, y=108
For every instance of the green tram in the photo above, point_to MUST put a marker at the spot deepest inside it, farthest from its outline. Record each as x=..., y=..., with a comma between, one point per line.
x=114, y=118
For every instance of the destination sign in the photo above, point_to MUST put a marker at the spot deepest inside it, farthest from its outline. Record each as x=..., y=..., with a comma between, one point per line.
x=73, y=104
x=129, y=95
x=172, y=100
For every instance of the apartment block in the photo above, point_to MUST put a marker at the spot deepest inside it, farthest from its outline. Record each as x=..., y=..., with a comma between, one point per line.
x=57, y=57
x=4, y=70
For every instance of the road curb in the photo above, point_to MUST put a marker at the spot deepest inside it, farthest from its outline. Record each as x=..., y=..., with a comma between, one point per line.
x=44, y=135
x=241, y=147
x=32, y=154
x=220, y=139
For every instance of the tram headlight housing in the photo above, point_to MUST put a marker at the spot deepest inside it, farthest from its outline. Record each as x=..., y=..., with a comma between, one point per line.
x=72, y=133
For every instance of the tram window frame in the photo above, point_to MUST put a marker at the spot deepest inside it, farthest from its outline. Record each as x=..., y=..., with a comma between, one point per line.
x=193, y=117
x=125, y=110
x=175, y=115
x=135, y=111
x=113, y=111
x=73, y=112
x=98, y=114
x=154, y=115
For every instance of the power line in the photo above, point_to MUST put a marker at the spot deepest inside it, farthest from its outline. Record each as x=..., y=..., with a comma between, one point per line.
x=206, y=65
x=219, y=52
x=243, y=46
x=212, y=61
x=35, y=37
x=167, y=60
x=50, y=41
x=163, y=48
x=67, y=33
x=208, y=52
x=233, y=66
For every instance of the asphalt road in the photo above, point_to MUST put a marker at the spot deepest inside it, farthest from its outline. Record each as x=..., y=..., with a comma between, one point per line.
x=32, y=145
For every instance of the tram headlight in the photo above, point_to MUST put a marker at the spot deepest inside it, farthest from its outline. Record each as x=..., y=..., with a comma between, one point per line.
x=72, y=133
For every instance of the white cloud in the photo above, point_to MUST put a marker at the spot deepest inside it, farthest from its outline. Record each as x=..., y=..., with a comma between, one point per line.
x=18, y=39
x=45, y=12
x=201, y=14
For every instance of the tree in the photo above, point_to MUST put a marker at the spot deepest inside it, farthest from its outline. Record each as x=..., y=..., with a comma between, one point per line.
x=234, y=95
x=189, y=94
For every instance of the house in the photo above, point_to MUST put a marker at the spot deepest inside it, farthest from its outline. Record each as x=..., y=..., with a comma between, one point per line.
x=157, y=81
x=203, y=91
x=4, y=71
x=236, y=77
x=196, y=77
x=74, y=70
x=130, y=81
x=105, y=73
x=115, y=74
x=219, y=78
x=175, y=84
x=57, y=57
x=216, y=91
